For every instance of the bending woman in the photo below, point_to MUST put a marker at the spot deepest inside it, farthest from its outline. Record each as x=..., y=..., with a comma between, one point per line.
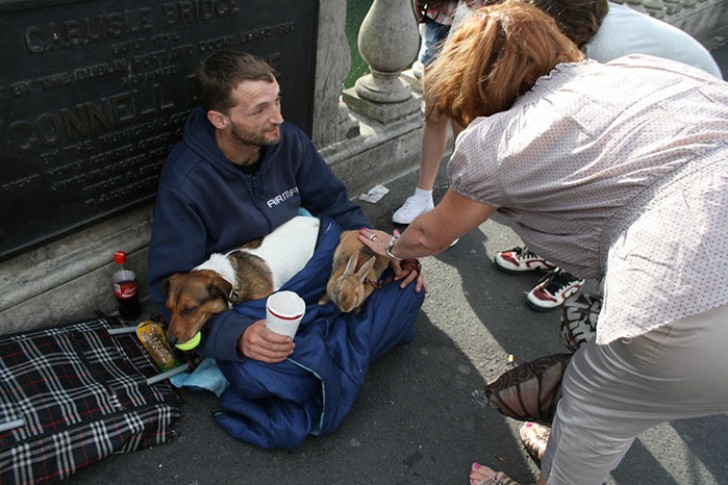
x=616, y=170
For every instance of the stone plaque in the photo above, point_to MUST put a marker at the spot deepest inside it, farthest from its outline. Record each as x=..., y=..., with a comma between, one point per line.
x=93, y=94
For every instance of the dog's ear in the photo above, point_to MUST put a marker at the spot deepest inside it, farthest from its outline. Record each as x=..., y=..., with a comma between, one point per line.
x=170, y=284
x=219, y=288
x=165, y=287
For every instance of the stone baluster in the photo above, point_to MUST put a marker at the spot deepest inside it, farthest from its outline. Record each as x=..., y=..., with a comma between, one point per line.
x=332, y=122
x=388, y=42
x=655, y=8
x=636, y=5
x=672, y=7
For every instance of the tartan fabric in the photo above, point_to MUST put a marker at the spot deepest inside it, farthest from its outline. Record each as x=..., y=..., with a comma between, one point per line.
x=83, y=396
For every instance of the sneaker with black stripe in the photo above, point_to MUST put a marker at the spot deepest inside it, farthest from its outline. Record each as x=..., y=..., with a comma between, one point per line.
x=521, y=260
x=553, y=289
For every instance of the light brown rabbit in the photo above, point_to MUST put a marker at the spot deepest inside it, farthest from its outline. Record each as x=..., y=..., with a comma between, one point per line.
x=354, y=273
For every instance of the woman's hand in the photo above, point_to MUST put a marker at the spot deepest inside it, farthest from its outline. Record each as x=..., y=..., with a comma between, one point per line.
x=259, y=343
x=405, y=270
x=376, y=240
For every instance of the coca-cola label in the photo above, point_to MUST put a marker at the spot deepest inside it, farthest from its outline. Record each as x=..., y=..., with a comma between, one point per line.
x=125, y=289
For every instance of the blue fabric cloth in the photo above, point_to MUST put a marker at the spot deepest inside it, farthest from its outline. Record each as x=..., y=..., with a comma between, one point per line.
x=205, y=377
x=280, y=405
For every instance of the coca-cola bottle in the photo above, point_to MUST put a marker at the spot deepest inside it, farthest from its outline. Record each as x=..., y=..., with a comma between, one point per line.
x=125, y=288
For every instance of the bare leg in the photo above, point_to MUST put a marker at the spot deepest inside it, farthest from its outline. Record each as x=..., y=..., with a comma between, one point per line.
x=434, y=140
x=432, y=148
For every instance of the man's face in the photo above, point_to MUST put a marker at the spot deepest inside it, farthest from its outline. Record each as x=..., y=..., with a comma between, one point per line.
x=256, y=116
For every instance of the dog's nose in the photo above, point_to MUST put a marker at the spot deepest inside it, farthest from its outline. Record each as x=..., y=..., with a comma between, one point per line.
x=171, y=338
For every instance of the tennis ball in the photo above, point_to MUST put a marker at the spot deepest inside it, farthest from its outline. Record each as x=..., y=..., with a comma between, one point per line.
x=191, y=343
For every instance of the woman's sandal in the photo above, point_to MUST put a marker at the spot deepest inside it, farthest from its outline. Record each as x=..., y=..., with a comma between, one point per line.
x=535, y=437
x=496, y=478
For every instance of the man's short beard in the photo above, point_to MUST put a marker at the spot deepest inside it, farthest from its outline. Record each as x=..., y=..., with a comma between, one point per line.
x=254, y=139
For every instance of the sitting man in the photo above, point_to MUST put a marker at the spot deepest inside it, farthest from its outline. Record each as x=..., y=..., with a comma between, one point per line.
x=236, y=154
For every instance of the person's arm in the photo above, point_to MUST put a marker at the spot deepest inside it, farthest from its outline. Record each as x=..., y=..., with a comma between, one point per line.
x=232, y=336
x=433, y=232
x=177, y=243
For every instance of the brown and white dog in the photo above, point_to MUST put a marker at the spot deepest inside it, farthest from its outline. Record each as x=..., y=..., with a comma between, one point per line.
x=250, y=272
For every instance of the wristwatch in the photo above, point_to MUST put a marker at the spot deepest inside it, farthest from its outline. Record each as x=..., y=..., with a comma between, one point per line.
x=389, y=247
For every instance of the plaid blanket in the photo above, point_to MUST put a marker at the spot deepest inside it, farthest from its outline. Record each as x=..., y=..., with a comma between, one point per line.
x=80, y=395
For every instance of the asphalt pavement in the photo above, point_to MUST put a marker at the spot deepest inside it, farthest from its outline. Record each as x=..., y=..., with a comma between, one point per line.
x=421, y=417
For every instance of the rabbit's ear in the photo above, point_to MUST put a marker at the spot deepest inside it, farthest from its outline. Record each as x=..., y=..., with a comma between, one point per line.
x=365, y=268
x=351, y=264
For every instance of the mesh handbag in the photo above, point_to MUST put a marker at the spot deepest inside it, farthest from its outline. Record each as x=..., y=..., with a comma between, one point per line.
x=530, y=391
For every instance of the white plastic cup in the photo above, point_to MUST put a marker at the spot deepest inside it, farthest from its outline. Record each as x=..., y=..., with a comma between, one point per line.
x=284, y=311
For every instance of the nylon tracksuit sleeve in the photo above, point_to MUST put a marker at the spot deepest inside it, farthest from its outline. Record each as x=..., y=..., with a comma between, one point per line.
x=221, y=334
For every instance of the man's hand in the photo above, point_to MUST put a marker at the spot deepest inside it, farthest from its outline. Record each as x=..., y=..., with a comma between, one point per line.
x=259, y=343
x=407, y=271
